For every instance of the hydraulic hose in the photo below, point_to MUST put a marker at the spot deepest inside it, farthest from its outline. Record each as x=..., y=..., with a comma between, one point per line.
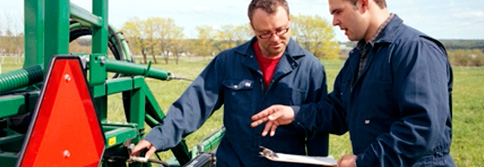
x=136, y=69
x=116, y=42
x=21, y=78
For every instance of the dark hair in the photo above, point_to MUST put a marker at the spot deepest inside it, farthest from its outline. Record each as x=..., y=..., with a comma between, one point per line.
x=381, y=3
x=268, y=6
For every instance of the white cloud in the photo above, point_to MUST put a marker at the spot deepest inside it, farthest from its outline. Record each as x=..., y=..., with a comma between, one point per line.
x=469, y=14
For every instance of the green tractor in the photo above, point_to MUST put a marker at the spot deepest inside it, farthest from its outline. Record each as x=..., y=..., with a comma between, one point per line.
x=54, y=109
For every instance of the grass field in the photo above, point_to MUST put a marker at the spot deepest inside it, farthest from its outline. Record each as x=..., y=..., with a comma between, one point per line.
x=468, y=106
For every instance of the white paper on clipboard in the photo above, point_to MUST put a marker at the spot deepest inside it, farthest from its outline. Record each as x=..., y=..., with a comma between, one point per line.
x=291, y=158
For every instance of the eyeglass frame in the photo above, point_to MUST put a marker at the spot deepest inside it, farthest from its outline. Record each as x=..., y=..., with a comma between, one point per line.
x=269, y=35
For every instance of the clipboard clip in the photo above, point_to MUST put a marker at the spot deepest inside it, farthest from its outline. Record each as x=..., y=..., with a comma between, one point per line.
x=268, y=153
x=293, y=158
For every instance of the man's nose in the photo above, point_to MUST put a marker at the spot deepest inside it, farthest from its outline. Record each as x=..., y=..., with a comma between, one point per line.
x=275, y=37
x=335, y=22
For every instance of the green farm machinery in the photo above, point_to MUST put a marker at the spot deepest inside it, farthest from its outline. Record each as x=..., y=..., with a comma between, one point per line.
x=54, y=110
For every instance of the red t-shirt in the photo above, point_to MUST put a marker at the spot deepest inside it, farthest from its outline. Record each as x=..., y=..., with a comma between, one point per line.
x=266, y=65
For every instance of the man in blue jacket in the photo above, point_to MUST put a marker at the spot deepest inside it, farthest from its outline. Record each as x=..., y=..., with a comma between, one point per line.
x=393, y=94
x=269, y=69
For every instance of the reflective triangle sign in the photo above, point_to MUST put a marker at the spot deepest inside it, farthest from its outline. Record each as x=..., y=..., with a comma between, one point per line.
x=65, y=130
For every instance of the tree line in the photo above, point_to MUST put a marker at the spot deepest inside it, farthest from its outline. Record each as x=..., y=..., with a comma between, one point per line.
x=11, y=44
x=161, y=37
x=465, y=52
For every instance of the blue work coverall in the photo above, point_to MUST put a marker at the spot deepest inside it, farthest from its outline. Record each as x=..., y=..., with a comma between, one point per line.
x=398, y=111
x=233, y=79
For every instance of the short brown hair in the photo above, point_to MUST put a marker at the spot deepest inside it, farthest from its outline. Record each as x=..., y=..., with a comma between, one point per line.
x=269, y=6
x=381, y=3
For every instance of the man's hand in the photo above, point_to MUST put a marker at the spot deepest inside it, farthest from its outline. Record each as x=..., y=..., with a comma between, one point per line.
x=143, y=144
x=347, y=161
x=274, y=115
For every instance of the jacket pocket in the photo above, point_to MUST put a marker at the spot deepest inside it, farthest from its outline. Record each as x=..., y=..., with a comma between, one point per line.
x=298, y=96
x=238, y=95
x=234, y=84
x=377, y=107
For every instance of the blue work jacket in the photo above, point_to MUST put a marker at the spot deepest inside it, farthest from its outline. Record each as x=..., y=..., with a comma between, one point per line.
x=233, y=79
x=398, y=111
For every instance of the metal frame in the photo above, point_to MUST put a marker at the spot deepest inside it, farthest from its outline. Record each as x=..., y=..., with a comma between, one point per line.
x=19, y=90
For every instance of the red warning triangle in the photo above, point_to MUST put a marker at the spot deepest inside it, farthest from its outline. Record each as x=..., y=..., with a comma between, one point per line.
x=65, y=130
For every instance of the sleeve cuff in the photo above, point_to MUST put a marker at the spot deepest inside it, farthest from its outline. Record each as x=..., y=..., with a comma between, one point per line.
x=363, y=159
x=296, y=110
x=155, y=141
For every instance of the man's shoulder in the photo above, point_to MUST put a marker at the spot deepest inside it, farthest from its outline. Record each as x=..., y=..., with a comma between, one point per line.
x=243, y=49
x=410, y=43
x=409, y=34
x=304, y=58
x=397, y=32
x=403, y=34
x=412, y=37
x=308, y=57
x=294, y=49
x=238, y=50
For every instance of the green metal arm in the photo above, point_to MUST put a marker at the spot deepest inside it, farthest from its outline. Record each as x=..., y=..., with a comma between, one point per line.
x=87, y=18
x=63, y=19
x=135, y=69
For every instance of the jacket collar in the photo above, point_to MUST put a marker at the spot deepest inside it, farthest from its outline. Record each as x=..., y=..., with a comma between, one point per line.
x=287, y=63
x=389, y=33
x=387, y=36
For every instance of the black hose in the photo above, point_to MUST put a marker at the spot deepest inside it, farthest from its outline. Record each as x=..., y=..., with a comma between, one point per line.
x=114, y=43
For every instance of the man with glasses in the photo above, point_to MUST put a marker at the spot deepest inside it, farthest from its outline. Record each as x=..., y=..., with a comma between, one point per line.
x=269, y=69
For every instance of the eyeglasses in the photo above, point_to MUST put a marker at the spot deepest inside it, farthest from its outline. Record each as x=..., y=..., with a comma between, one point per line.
x=268, y=34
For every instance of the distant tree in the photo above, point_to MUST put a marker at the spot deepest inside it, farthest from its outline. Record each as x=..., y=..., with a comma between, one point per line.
x=168, y=34
x=7, y=45
x=466, y=57
x=137, y=37
x=225, y=38
x=242, y=33
x=13, y=36
x=161, y=36
x=178, y=46
x=455, y=44
x=2, y=39
x=229, y=36
x=12, y=44
x=19, y=41
x=316, y=35
x=151, y=27
x=204, y=42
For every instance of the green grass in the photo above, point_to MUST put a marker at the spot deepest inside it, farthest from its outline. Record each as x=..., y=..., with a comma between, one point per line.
x=468, y=104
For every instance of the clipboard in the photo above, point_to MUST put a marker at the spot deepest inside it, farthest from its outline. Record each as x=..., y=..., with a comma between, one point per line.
x=303, y=159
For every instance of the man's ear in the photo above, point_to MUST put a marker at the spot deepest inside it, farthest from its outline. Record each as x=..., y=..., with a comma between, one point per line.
x=362, y=5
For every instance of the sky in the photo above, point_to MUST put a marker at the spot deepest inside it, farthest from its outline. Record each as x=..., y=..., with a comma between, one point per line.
x=441, y=19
